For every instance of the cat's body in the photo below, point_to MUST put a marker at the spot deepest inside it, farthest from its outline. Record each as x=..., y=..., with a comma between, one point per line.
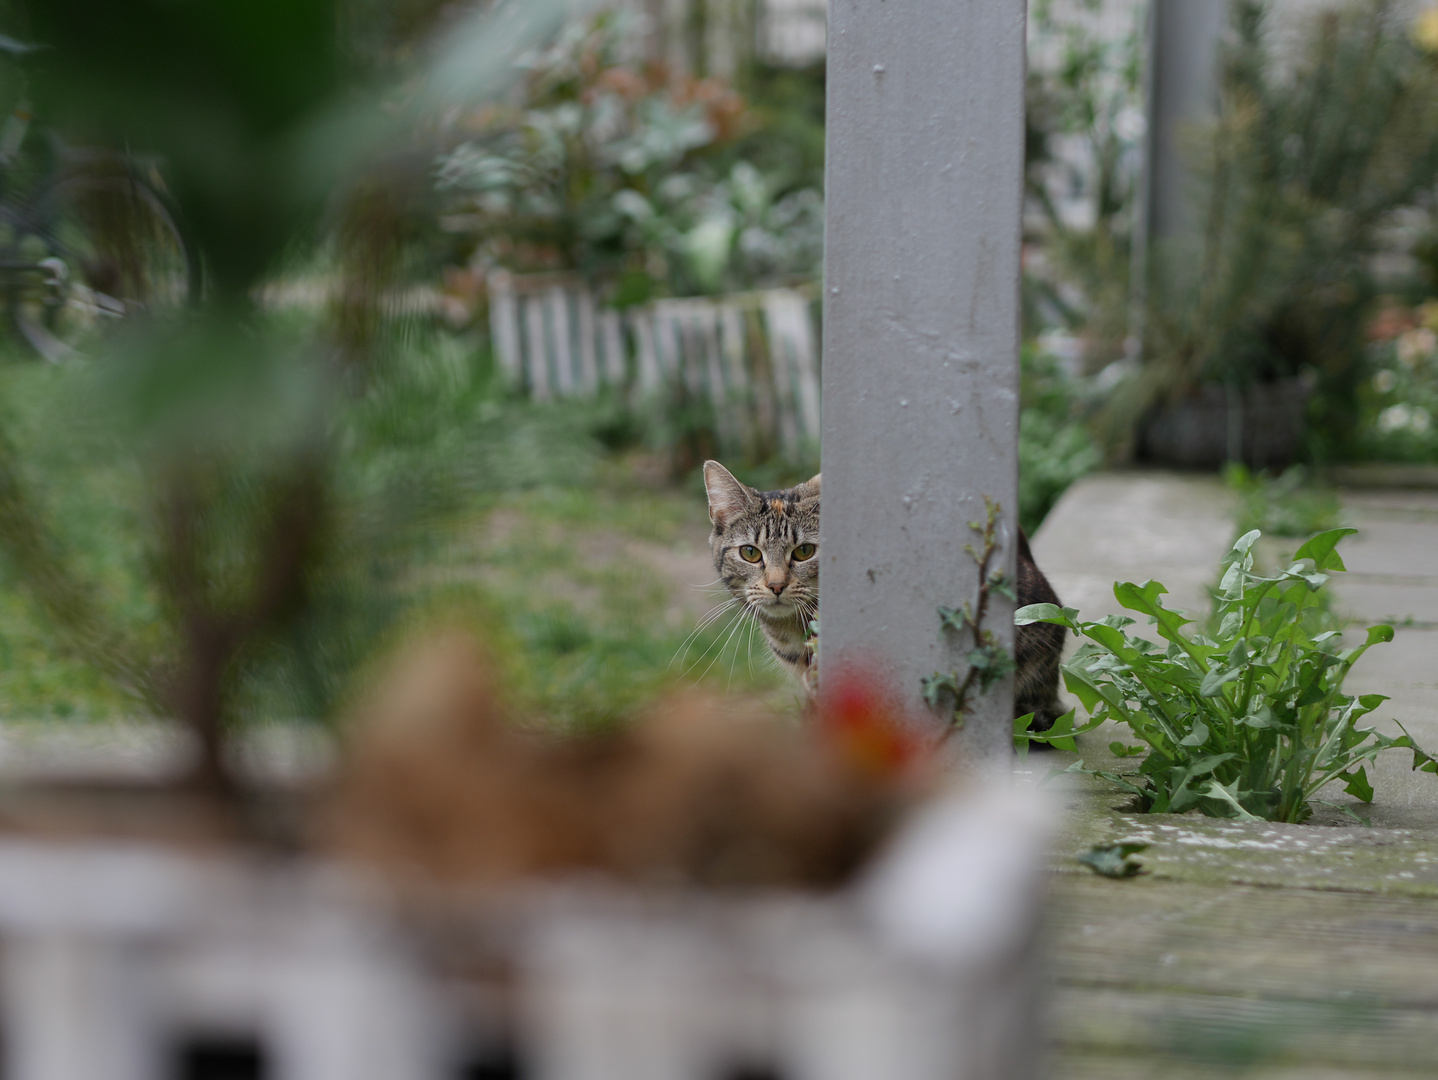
x=1038, y=647
x=765, y=546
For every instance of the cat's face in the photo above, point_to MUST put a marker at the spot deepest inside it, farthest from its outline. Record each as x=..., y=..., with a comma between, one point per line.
x=766, y=544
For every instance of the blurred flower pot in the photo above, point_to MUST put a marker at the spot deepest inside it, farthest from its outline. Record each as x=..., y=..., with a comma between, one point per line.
x=1260, y=425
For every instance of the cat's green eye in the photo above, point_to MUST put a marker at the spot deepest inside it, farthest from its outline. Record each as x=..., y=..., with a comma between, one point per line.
x=749, y=553
x=804, y=552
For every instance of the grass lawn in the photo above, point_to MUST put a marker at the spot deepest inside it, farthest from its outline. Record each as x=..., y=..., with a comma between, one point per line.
x=509, y=517
x=604, y=593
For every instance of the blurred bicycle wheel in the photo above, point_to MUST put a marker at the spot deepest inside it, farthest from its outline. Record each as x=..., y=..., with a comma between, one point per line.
x=109, y=248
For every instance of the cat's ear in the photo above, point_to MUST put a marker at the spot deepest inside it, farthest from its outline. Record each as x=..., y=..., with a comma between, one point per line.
x=809, y=489
x=727, y=496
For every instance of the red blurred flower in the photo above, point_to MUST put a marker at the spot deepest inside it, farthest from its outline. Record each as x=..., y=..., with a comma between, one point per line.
x=1391, y=321
x=865, y=723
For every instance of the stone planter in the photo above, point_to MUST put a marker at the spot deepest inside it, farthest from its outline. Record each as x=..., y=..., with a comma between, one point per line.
x=1260, y=425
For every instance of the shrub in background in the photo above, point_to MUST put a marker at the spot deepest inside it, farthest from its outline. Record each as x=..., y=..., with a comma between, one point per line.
x=1305, y=173
x=1055, y=447
x=1083, y=159
x=1398, y=400
x=615, y=168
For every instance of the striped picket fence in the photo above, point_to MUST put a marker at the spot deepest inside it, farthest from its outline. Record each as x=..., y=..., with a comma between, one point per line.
x=752, y=358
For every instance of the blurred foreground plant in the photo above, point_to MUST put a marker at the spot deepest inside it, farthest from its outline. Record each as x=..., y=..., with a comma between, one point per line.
x=1249, y=722
x=267, y=128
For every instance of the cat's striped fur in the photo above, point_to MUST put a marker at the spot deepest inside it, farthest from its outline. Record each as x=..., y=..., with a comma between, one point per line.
x=781, y=586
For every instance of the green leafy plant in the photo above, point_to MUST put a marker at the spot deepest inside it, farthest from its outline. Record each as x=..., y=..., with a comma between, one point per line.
x=1248, y=722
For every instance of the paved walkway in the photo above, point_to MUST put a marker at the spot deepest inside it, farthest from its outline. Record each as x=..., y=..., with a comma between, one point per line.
x=1131, y=527
x=1252, y=949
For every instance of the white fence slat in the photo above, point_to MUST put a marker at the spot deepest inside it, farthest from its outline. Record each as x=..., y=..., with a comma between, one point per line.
x=725, y=413
x=740, y=404
x=806, y=369
x=557, y=301
x=611, y=336
x=731, y=326
x=641, y=323
x=666, y=336
x=113, y=948
x=688, y=358
x=504, y=323
x=553, y=330
x=588, y=363
x=74, y=1006
x=536, y=351
x=780, y=361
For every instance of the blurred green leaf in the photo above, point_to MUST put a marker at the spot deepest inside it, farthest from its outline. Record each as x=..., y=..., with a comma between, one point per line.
x=1115, y=860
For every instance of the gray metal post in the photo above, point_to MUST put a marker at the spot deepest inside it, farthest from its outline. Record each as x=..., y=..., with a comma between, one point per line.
x=921, y=331
x=1183, y=89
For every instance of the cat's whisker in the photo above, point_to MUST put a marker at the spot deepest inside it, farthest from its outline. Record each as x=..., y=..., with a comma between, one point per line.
x=705, y=620
x=724, y=645
x=718, y=610
x=736, y=638
x=729, y=685
x=717, y=647
x=712, y=652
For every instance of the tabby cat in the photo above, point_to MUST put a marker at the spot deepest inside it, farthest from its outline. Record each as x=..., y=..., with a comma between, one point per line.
x=766, y=546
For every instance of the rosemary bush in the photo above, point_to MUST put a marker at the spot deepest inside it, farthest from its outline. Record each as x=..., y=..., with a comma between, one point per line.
x=1250, y=722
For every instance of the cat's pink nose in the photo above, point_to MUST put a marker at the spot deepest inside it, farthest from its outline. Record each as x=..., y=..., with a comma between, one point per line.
x=776, y=587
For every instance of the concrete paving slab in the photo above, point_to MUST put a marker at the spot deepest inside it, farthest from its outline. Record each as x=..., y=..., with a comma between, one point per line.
x=1136, y=526
x=1389, y=501
x=1403, y=669
x=1369, y=598
x=1388, y=548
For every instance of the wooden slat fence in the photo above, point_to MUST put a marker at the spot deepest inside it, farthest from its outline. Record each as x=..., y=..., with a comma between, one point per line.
x=751, y=358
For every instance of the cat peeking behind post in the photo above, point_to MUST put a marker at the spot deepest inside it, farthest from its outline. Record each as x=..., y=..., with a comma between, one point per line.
x=766, y=546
